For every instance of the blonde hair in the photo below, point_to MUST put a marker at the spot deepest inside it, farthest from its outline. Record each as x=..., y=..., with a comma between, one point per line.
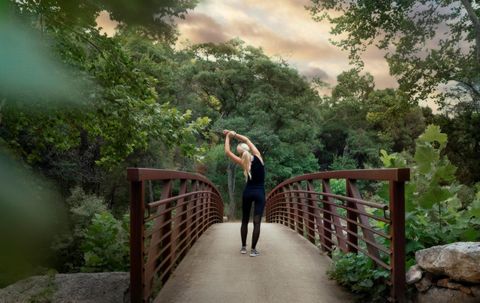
x=246, y=160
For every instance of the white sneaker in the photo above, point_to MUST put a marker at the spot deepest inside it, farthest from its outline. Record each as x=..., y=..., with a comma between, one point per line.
x=254, y=253
x=243, y=250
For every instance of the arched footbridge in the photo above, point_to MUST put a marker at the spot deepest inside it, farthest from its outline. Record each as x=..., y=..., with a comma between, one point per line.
x=182, y=251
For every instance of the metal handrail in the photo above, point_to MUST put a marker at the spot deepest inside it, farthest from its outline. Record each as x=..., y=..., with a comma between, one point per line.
x=178, y=221
x=312, y=212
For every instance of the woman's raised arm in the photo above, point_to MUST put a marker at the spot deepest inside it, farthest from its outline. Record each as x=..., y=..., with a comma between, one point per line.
x=252, y=146
x=228, y=152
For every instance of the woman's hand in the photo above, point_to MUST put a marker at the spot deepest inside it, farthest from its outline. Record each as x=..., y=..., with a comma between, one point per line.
x=229, y=133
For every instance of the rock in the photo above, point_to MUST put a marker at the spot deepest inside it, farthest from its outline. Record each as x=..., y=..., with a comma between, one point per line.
x=445, y=295
x=475, y=291
x=460, y=261
x=111, y=287
x=414, y=274
x=446, y=283
x=425, y=283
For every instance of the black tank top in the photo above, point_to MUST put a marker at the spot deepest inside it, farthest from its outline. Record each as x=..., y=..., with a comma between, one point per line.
x=257, y=170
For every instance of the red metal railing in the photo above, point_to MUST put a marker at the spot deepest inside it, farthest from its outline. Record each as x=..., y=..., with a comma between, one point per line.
x=162, y=231
x=306, y=204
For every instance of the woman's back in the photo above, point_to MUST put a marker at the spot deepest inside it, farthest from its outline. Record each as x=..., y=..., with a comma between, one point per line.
x=257, y=171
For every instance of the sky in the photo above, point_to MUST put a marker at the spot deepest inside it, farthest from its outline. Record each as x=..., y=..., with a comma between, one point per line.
x=282, y=28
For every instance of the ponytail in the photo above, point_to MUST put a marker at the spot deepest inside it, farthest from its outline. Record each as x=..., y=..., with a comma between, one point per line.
x=246, y=161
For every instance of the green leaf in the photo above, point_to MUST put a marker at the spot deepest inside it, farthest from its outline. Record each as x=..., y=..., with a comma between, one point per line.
x=425, y=154
x=471, y=234
x=434, y=195
x=434, y=134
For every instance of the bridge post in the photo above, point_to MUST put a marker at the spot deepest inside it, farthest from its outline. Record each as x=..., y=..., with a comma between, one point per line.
x=309, y=216
x=312, y=199
x=351, y=215
x=137, y=212
x=397, y=232
x=300, y=210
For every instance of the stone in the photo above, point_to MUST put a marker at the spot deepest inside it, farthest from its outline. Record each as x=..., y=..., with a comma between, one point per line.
x=445, y=295
x=110, y=287
x=425, y=283
x=447, y=283
x=475, y=291
x=460, y=261
x=414, y=274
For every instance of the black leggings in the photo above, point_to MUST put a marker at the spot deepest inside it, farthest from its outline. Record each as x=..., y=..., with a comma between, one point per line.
x=250, y=195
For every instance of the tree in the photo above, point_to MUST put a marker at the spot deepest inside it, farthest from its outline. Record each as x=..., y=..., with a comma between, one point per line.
x=241, y=88
x=151, y=17
x=397, y=120
x=118, y=114
x=428, y=44
x=433, y=50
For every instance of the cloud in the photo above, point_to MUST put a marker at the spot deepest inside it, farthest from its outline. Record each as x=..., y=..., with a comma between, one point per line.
x=200, y=28
x=281, y=28
x=312, y=72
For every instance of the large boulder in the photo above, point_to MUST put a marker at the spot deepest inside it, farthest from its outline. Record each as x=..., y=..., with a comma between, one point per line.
x=445, y=295
x=460, y=261
x=110, y=287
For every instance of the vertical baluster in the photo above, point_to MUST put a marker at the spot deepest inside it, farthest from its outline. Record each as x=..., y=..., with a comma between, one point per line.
x=351, y=227
x=293, y=203
x=284, y=200
x=155, y=244
x=318, y=218
x=195, y=211
x=167, y=254
x=178, y=225
x=291, y=210
x=137, y=212
x=188, y=225
x=397, y=232
x=311, y=214
x=333, y=217
x=209, y=205
x=203, y=220
x=300, y=209
x=368, y=234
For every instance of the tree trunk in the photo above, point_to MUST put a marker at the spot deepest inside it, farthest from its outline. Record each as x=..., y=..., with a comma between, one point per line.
x=231, y=189
x=476, y=26
x=112, y=196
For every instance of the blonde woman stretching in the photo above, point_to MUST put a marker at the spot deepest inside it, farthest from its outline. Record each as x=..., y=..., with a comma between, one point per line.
x=254, y=170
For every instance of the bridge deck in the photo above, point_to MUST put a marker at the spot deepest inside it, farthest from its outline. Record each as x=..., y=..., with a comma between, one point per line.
x=289, y=269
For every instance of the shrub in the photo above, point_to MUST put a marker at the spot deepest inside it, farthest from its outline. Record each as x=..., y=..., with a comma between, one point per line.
x=66, y=247
x=359, y=274
x=437, y=210
x=106, y=246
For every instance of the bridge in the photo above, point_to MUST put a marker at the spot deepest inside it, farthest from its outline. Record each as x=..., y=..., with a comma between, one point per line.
x=181, y=251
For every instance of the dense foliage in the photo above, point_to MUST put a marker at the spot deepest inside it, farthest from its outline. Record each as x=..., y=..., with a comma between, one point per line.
x=359, y=274
x=84, y=106
x=433, y=50
x=439, y=210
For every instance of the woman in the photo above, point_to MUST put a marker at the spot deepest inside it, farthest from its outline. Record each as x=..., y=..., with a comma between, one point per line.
x=254, y=171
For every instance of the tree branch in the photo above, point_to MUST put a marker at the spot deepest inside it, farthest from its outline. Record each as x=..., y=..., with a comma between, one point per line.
x=476, y=25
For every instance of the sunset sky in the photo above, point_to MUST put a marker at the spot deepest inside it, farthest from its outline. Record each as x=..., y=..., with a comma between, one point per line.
x=283, y=28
